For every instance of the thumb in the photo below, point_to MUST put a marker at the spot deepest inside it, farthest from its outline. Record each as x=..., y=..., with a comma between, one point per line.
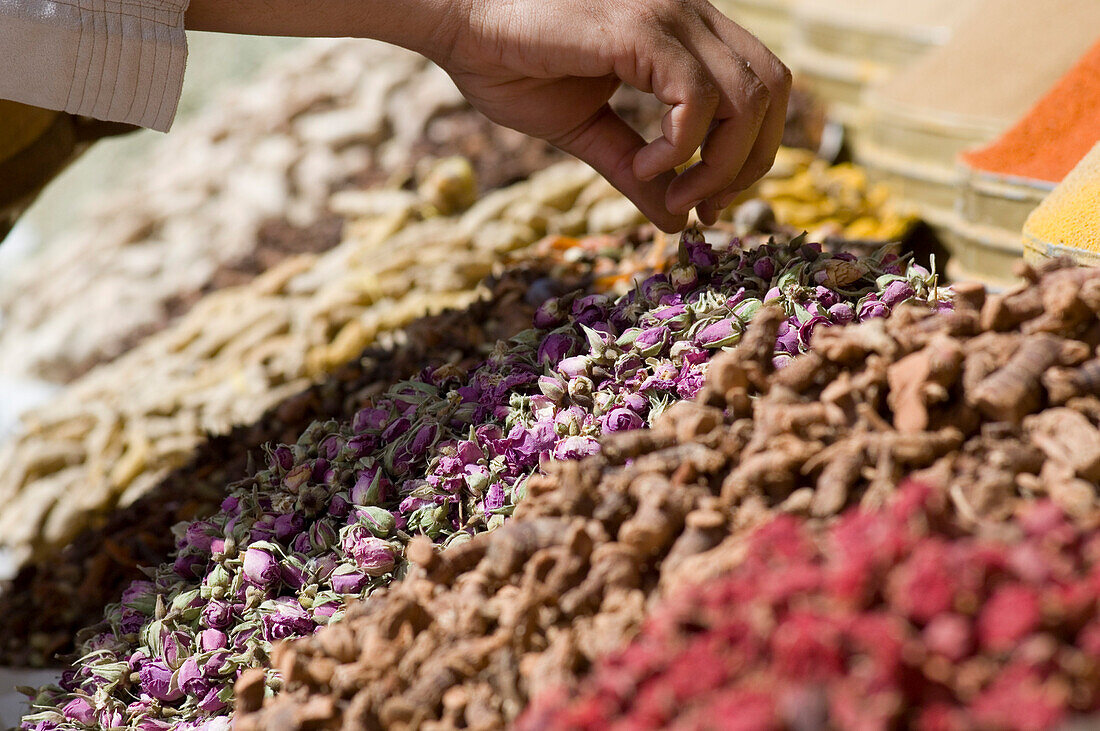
x=607, y=143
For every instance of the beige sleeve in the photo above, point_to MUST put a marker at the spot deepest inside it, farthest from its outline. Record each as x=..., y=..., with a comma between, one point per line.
x=116, y=60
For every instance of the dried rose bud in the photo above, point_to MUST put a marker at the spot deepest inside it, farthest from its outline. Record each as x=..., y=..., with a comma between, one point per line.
x=297, y=477
x=842, y=313
x=652, y=341
x=286, y=619
x=870, y=308
x=806, y=329
x=370, y=420
x=621, y=419
x=549, y=314
x=348, y=580
x=371, y=487
x=157, y=680
x=580, y=390
x=371, y=554
x=378, y=521
x=574, y=367
x=719, y=334
x=576, y=448
x=288, y=524
x=217, y=614
x=555, y=347
x=683, y=278
x=261, y=566
x=897, y=292
x=764, y=268
x=80, y=711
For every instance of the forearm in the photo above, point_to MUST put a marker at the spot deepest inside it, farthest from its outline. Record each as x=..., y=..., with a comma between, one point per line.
x=419, y=25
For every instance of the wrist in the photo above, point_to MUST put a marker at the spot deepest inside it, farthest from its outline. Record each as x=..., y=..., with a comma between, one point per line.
x=428, y=27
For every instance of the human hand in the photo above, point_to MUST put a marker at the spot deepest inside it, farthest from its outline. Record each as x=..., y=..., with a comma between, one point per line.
x=548, y=68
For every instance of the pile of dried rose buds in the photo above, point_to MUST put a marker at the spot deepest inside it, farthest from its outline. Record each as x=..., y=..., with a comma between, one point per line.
x=447, y=455
x=890, y=619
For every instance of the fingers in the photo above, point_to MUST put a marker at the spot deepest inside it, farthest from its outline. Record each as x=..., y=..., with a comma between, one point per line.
x=685, y=84
x=610, y=145
x=744, y=105
x=777, y=78
x=729, y=97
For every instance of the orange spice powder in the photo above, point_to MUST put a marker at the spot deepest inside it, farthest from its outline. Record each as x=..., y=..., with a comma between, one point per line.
x=1055, y=134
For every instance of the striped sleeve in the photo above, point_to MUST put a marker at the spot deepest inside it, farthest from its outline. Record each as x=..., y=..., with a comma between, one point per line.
x=115, y=60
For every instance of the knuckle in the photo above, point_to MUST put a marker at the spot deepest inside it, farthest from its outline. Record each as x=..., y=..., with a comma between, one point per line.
x=779, y=76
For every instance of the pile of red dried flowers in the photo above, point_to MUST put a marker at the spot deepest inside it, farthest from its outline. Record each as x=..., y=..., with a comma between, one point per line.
x=892, y=618
x=446, y=455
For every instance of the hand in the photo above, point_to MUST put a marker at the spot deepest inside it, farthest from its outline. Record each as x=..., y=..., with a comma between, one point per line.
x=548, y=67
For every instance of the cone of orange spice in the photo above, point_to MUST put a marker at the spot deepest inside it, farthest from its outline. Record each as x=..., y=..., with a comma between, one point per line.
x=1055, y=134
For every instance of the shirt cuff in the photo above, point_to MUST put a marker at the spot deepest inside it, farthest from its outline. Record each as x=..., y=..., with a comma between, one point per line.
x=115, y=60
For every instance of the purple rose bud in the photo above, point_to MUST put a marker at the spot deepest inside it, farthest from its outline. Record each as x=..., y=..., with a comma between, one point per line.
x=200, y=535
x=189, y=565
x=217, y=615
x=140, y=595
x=764, y=268
x=212, y=639
x=652, y=341
x=897, y=292
x=261, y=567
x=871, y=309
x=211, y=703
x=156, y=680
x=332, y=445
x=230, y=505
x=826, y=297
x=424, y=438
x=494, y=498
x=321, y=536
x=555, y=347
x=282, y=457
x=288, y=524
x=621, y=419
x=293, y=575
x=719, y=334
x=371, y=554
x=787, y=340
x=190, y=678
x=370, y=419
x=346, y=580
x=287, y=620
x=590, y=309
x=574, y=367
x=700, y=253
x=737, y=298
x=806, y=330
x=338, y=506
x=636, y=402
x=301, y=544
x=773, y=293
x=80, y=711
x=842, y=313
x=371, y=487
x=395, y=429
x=576, y=448
x=552, y=387
x=323, y=613
x=549, y=314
